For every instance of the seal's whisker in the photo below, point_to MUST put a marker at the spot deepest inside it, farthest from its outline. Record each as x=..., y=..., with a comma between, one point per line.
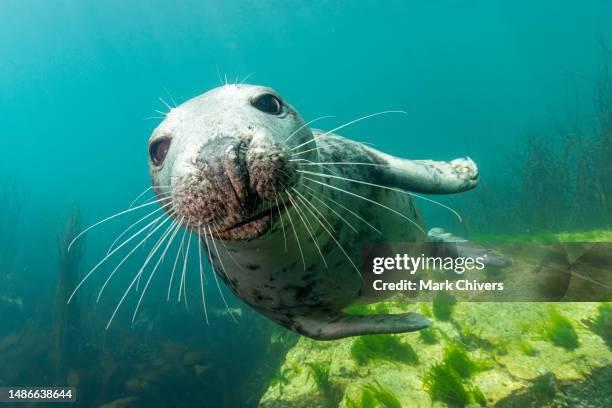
x=348, y=124
x=281, y=219
x=166, y=104
x=316, y=209
x=299, y=212
x=247, y=77
x=157, y=197
x=306, y=124
x=312, y=150
x=129, y=210
x=164, y=114
x=92, y=270
x=384, y=187
x=154, y=251
x=177, y=227
x=219, y=75
x=178, y=253
x=202, y=275
x=312, y=163
x=125, y=231
x=125, y=258
x=174, y=104
x=183, y=284
x=215, y=273
x=353, y=213
x=227, y=251
x=348, y=224
x=295, y=234
x=368, y=200
x=129, y=288
x=144, y=192
x=306, y=203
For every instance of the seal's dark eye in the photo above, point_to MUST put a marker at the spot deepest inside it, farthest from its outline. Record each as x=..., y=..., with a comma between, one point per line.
x=158, y=151
x=268, y=103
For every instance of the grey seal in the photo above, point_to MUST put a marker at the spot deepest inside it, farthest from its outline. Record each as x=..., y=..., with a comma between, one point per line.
x=283, y=209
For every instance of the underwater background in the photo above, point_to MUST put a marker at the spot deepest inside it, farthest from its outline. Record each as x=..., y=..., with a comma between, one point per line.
x=523, y=88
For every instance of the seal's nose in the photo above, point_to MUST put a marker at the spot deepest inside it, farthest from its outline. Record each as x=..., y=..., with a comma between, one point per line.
x=225, y=165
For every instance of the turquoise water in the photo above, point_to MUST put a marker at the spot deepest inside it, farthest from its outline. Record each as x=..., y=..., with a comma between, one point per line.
x=78, y=80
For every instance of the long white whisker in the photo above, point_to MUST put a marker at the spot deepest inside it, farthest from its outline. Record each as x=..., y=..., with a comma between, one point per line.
x=353, y=213
x=306, y=124
x=368, y=200
x=332, y=210
x=306, y=203
x=110, y=218
x=312, y=163
x=281, y=220
x=219, y=75
x=127, y=291
x=125, y=258
x=178, y=252
x=153, y=252
x=125, y=231
x=171, y=97
x=383, y=187
x=348, y=124
x=166, y=104
x=215, y=273
x=159, y=261
x=108, y=256
x=247, y=77
x=202, y=274
x=295, y=234
x=183, y=284
x=299, y=213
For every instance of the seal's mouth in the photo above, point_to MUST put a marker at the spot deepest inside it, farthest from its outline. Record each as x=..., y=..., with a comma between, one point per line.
x=256, y=225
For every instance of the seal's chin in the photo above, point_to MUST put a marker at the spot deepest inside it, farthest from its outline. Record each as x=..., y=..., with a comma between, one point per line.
x=254, y=226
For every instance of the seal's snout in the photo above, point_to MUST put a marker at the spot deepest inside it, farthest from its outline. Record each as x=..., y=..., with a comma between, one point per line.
x=234, y=185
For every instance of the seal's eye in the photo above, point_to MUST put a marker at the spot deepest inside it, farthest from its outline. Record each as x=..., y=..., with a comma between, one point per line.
x=158, y=151
x=268, y=103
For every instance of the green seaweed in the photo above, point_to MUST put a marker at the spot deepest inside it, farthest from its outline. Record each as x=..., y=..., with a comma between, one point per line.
x=602, y=324
x=443, y=306
x=425, y=310
x=559, y=331
x=448, y=381
x=472, y=340
x=384, y=396
x=321, y=377
x=543, y=389
x=429, y=336
x=320, y=374
x=527, y=348
x=445, y=384
x=456, y=357
x=382, y=347
x=281, y=377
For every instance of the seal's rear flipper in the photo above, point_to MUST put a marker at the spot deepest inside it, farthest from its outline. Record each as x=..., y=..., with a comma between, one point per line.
x=345, y=325
x=454, y=246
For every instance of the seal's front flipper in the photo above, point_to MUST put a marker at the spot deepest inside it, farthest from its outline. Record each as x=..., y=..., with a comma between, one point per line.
x=425, y=176
x=453, y=246
x=345, y=325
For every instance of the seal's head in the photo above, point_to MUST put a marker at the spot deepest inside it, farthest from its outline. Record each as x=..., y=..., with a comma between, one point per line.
x=225, y=158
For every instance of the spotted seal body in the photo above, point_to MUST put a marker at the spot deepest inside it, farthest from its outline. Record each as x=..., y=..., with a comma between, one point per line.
x=269, y=198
